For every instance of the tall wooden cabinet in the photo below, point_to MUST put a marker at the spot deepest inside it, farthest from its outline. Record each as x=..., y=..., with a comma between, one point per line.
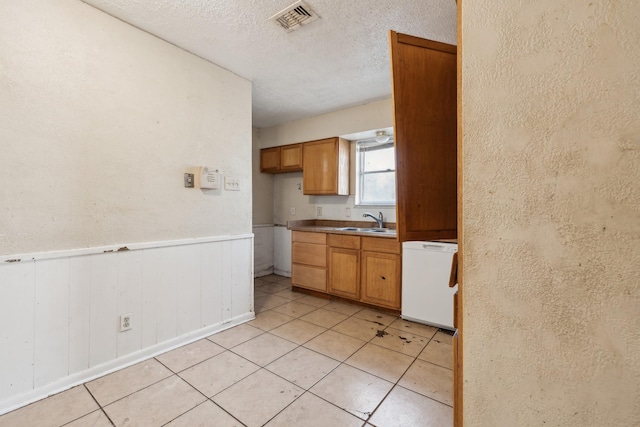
x=425, y=120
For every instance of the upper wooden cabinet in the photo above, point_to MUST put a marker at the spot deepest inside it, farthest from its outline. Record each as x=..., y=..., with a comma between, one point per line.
x=286, y=158
x=326, y=167
x=424, y=111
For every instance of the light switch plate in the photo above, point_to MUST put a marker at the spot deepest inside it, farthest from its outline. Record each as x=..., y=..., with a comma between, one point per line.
x=231, y=183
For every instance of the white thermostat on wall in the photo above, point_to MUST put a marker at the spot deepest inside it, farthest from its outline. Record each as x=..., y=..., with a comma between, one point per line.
x=208, y=178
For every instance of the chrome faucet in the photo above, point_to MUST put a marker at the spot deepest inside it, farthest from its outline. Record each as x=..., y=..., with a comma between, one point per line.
x=379, y=220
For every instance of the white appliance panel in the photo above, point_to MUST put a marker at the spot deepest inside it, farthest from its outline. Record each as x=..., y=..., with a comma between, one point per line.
x=426, y=295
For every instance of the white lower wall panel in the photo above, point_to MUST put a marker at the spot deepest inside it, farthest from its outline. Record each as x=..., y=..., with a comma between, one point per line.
x=103, y=291
x=17, y=320
x=240, y=293
x=188, y=259
x=51, y=321
x=211, y=274
x=282, y=250
x=129, y=300
x=263, y=249
x=60, y=315
x=79, y=312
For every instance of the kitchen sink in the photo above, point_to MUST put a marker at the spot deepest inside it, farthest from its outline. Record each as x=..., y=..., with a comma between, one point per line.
x=367, y=230
x=381, y=230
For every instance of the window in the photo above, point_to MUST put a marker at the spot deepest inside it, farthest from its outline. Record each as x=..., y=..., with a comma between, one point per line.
x=375, y=172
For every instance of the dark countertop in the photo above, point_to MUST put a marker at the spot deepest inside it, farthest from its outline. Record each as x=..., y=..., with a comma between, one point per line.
x=334, y=226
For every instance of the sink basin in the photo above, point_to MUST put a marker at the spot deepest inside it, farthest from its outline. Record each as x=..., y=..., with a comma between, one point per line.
x=367, y=230
x=381, y=230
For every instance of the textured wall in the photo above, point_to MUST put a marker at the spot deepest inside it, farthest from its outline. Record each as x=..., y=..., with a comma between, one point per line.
x=374, y=115
x=551, y=222
x=100, y=121
x=262, y=186
x=367, y=117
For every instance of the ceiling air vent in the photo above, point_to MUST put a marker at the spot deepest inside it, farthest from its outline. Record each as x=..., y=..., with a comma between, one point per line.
x=292, y=17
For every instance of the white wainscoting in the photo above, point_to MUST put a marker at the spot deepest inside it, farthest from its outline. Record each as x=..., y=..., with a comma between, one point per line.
x=263, y=250
x=282, y=250
x=60, y=311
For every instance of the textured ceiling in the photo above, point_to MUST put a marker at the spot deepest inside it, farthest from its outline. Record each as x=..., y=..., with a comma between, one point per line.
x=338, y=61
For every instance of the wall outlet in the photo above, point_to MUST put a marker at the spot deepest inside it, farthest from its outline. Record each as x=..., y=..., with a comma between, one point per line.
x=347, y=212
x=292, y=211
x=319, y=210
x=125, y=322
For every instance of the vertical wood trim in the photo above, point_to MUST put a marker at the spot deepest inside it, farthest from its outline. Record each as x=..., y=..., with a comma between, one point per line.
x=51, y=340
x=130, y=300
x=242, y=289
x=148, y=313
x=104, y=282
x=79, y=313
x=17, y=307
x=166, y=287
x=211, y=303
x=227, y=280
x=458, y=406
x=188, y=288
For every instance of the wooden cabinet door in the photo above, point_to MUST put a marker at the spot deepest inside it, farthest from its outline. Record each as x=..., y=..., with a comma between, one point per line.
x=344, y=272
x=381, y=279
x=270, y=160
x=291, y=158
x=425, y=130
x=326, y=167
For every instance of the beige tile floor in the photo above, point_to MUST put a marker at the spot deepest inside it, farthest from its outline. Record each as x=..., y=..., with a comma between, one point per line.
x=303, y=361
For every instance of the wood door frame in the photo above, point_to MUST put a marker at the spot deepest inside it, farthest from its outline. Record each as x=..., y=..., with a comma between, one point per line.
x=458, y=408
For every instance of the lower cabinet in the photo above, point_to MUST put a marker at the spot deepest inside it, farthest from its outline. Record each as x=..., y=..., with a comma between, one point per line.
x=309, y=260
x=381, y=279
x=366, y=269
x=344, y=265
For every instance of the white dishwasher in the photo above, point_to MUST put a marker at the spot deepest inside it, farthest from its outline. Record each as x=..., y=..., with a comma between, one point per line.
x=426, y=295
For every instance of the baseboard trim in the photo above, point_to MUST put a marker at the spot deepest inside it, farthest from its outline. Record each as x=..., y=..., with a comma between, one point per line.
x=70, y=381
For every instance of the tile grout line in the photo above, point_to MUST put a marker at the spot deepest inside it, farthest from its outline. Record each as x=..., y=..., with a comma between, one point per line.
x=97, y=403
x=396, y=383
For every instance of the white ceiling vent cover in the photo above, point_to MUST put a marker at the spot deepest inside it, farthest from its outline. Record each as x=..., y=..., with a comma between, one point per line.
x=292, y=17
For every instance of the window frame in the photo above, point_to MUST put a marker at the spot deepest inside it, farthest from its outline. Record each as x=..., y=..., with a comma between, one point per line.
x=360, y=174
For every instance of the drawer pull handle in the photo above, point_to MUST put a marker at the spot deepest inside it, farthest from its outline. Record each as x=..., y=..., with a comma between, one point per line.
x=383, y=278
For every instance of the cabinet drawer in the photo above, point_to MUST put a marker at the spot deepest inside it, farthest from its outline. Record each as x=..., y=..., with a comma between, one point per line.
x=309, y=253
x=309, y=277
x=343, y=241
x=380, y=244
x=309, y=237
